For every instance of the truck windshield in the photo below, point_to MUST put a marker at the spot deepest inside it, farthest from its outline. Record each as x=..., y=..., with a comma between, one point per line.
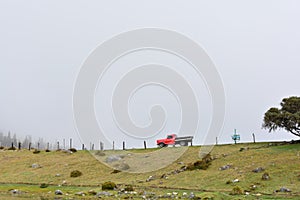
x=169, y=137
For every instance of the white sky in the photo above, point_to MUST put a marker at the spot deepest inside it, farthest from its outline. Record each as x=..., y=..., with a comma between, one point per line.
x=254, y=44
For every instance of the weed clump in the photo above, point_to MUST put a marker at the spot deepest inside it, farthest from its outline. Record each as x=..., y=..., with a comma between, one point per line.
x=75, y=173
x=47, y=150
x=36, y=151
x=236, y=191
x=200, y=164
x=2, y=147
x=129, y=188
x=44, y=185
x=109, y=186
x=12, y=148
x=73, y=150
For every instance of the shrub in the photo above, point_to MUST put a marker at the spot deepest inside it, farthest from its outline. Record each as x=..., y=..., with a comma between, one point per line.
x=129, y=188
x=236, y=191
x=76, y=173
x=12, y=148
x=115, y=171
x=73, y=150
x=36, y=151
x=109, y=186
x=100, y=153
x=43, y=185
x=201, y=164
x=2, y=147
x=48, y=150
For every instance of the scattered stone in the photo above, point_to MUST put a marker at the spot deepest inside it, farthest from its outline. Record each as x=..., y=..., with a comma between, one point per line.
x=103, y=194
x=191, y=196
x=113, y=158
x=283, y=189
x=150, y=178
x=181, y=163
x=58, y=192
x=265, y=176
x=122, y=166
x=15, y=191
x=35, y=166
x=80, y=194
x=235, y=181
x=225, y=167
x=66, y=151
x=244, y=148
x=257, y=170
x=57, y=175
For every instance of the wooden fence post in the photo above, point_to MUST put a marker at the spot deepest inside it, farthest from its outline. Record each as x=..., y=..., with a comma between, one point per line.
x=253, y=135
x=145, y=145
x=123, y=145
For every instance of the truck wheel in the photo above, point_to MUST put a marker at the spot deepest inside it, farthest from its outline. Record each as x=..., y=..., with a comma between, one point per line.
x=183, y=143
x=161, y=145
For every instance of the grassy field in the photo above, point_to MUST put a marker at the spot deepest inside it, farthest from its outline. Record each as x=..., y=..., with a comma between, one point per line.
x=282, y=162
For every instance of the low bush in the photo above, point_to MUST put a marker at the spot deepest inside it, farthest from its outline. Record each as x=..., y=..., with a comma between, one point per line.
x=201, y=164
x=73, y=150
x=43, y=185
x=48, y=150
x=129, y=188
x=75, y=173
x=2, y=147
x=36, y=151
x=109, y=186
x=12, y=148
x=236, y=191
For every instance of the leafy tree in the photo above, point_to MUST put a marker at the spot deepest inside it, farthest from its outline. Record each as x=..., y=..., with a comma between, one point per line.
x=287, y=117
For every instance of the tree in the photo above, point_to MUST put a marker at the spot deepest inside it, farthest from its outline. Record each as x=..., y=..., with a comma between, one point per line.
x=287, y=117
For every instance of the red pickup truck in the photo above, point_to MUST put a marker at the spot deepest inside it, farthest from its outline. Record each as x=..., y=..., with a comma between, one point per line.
x=172, y=139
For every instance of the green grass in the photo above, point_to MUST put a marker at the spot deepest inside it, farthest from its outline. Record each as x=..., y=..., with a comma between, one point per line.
x=282, y=162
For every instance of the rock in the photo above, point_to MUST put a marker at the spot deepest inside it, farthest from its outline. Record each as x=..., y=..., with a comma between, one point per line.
x=15, y=191
x=283, y=189
x=257, y=170
x=58, y=192
x=150, y=178
x=103, y=194
x=67, y=151
x=35, y=166
x=235, y=180
x=180, y=163
x=191, y=196
x=113, y=158
x=225, y=167
x=57, y=175
x=80, y=194
x=265, y=176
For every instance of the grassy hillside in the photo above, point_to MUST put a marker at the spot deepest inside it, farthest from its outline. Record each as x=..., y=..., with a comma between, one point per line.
x=282, y=162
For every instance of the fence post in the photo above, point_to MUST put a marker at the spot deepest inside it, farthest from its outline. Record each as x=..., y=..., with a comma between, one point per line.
x=29, y=147
x=19, y=145
x=113, y=145
x=70, y=143
x=216, y=140
x=101, y=146
x=57, y=145
x=123, y=145
x=145, y=145
x=93, y=145
x=82, y=146
x=253, y=135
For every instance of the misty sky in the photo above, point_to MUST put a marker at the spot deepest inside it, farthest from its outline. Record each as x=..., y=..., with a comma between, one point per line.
x=254, y=44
